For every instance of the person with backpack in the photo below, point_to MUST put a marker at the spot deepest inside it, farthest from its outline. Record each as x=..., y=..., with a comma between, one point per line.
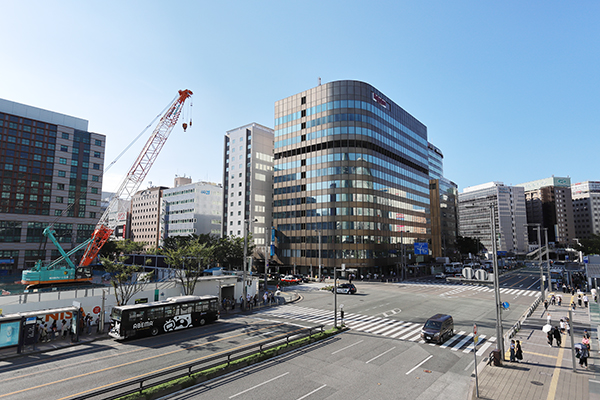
x=519, y=353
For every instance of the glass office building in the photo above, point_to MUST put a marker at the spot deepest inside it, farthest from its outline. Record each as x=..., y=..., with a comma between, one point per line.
x=351, y=172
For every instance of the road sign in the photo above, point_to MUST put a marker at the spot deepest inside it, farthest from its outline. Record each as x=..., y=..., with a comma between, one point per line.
x=421, y=248
x=505, y=305
x=474, y=329
x=467, y=273
x=476, y=339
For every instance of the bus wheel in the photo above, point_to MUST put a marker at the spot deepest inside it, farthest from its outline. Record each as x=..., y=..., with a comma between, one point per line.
x=202, y=321
x=154, y=331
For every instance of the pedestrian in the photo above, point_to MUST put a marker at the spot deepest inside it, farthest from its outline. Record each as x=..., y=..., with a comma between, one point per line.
x=63, y=328
x=519, y=352
x=559, y=301
x=562, y=326
x=512, y=350
x=583, y=356
x=568, y=327
x=548, y=319
x=586, y=334
x=265, y=298
x=585, y=300
x=553, y=300
x=579, y=300
x=557, y=336
x=546, y=305
x=573, y=306
x=550, y=336
x=586, y=342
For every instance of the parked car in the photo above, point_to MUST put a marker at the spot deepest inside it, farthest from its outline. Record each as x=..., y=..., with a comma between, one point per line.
x=290, y=279
x=440, y=276
x=302, y=278
x=346, y=288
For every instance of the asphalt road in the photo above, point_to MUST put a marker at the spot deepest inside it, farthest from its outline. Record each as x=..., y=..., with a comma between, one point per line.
x=382, y=348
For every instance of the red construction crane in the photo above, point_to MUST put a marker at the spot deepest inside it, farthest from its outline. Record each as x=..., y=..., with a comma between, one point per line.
x=136, y=174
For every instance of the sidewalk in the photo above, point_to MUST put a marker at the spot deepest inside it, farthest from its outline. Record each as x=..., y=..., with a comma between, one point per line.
x=545, y=372
x=8, y=353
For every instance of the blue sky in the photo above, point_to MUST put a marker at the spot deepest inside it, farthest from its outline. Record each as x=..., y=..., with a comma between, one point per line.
x=509, y=91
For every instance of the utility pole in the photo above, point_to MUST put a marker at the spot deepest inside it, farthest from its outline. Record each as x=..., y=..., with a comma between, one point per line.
x=320, y=268
x=499, y=333
x=548, y=260
x=245, y=287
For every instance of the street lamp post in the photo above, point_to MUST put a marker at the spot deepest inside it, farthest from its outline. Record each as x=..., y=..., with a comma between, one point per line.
x=320, y=268
x=245, y=288
x=499, y=333
x=267, y=254
x=547, y=260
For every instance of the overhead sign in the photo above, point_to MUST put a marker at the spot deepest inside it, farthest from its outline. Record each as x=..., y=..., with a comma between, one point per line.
x=421, y=248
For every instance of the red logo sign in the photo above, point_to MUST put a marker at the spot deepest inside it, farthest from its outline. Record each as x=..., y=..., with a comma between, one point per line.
x=96, y=310
x=380, y=100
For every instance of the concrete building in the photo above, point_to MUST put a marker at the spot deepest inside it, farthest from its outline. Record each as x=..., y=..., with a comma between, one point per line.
x=248, y=184
x=351, y=172
x=145, y=216
x=191, y=209
x=474, y=216
x=51, y=170
x=443, y=195
x=586, y=208
x=549, y=203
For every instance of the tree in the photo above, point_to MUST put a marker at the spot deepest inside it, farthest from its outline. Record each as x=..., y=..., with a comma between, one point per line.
x=127, y=280
x=229, y=251
x=589, y=246
x=189, y=261
x=466, y=245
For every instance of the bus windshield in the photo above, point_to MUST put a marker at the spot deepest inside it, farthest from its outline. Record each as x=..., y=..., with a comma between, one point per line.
x=116, y=314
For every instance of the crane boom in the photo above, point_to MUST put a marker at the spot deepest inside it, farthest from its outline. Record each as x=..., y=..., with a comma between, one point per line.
x=136, y=174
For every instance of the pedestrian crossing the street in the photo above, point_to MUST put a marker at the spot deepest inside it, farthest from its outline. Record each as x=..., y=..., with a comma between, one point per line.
x=402, y=330
x=449, y=289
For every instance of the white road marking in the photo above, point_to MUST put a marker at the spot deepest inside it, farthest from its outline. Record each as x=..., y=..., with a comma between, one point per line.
x=461, y=343
x=419, y=364
x=347, y=347
x=375, y=358
x=260, y=384
x=308, y=394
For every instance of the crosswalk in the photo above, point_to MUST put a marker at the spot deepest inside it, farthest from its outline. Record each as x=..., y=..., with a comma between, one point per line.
x=401, y=330
x=450, y=289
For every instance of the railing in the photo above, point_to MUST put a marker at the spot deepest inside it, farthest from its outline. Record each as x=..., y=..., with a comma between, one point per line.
x=168, y=375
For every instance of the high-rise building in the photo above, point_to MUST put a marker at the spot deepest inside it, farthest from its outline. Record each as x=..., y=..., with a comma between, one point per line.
x=145, y=217
x=474, y=216
x=549, y=204
x=248, y=184
x=351, y=181
x=191, y=209
x=51, y=170
x=443, y=195
x=586, y=208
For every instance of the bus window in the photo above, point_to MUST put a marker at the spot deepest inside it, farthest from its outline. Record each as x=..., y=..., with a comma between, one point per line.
x=186, y=308
x=213, y=305
x=135, y=316
x=155, y=313
x=169, y=311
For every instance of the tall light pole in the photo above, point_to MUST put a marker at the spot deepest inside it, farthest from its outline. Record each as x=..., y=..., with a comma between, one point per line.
x=539, y=240
x=499, y=333
x=548, y=260
x=245, y=291
x=320, y=268
x=267, y=253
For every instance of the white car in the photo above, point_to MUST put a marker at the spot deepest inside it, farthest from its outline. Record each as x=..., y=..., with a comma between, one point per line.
x=440, y=276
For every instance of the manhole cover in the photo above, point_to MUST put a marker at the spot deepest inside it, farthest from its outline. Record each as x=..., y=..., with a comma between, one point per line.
x=537, y=383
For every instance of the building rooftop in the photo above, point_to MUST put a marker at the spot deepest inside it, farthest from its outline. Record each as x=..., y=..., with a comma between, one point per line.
x=39, y=114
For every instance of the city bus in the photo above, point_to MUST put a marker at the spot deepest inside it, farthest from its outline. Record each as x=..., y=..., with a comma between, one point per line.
x=169, y=315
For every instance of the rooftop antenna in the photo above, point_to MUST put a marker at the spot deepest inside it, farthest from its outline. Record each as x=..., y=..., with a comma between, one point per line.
x=319, y=81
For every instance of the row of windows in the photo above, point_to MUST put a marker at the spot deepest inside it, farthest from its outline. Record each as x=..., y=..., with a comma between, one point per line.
x=348, y=225
x=339, y=104
x=75, y=163
x=355, y=211
x=352, y=197
x=337, y=254
x=398, y=148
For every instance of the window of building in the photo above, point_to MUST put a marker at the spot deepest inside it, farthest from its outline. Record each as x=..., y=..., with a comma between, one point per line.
x=92, y=215
x=62, y=174
x=64, y=148
x=62, y=161
x=64, y=135
x=98, y=142
x=59, y=199
x=97, y=154
x=95, y=178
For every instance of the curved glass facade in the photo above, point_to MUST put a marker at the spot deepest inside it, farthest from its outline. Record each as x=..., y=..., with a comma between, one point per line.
x=352, y=168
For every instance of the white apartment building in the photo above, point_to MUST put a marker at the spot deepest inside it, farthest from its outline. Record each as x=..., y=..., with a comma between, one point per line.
x=248, y=182
x=474, y=216
x=586, y=208
x=191, y=208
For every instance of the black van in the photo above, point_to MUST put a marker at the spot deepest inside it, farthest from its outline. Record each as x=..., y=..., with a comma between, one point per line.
x=438, y=328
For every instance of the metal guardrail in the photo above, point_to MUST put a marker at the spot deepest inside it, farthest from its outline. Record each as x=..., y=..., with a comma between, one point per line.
x=193, y=367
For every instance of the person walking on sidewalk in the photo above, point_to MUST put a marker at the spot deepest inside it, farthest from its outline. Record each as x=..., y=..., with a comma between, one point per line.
x=512, y=351
x=548, y=319
x=557, y=336
x=519, y=352
x=545, y=305
x=550, y=336
x=583, y=356
x=585, y=300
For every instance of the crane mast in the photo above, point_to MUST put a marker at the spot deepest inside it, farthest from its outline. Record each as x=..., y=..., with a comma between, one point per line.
x=136, y=174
